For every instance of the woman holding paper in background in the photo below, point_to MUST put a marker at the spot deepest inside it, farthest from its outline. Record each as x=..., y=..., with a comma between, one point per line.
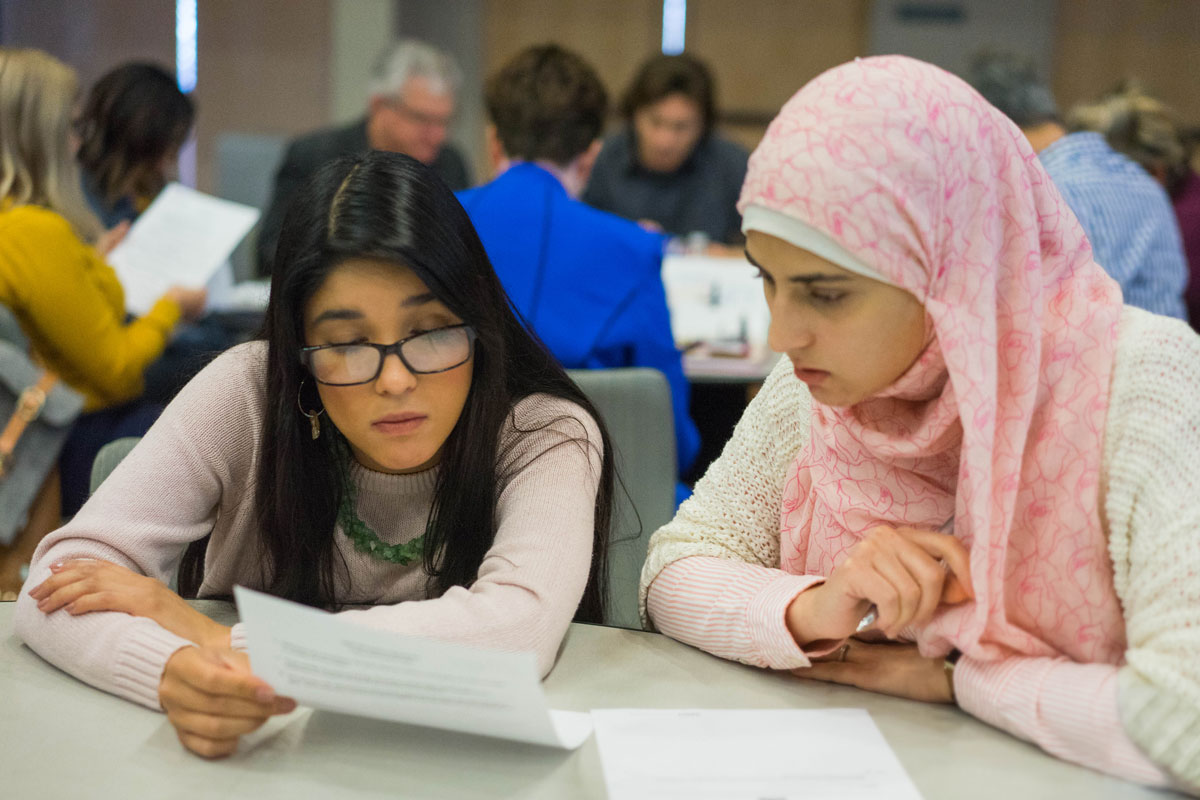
x=965, y=359
x=132, y=125
x=399, y=441
x=67, y=300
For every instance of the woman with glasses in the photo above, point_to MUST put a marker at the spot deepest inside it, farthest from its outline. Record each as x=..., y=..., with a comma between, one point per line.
x=397, y=441
x=974, y=478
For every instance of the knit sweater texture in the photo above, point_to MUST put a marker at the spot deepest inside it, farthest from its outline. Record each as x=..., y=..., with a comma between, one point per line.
x=712, y=576
x=195, y=473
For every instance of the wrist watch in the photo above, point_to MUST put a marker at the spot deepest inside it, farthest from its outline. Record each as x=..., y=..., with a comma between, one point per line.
x=948, y=665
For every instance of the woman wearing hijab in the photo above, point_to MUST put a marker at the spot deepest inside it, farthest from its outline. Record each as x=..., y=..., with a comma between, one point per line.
x=974, y=478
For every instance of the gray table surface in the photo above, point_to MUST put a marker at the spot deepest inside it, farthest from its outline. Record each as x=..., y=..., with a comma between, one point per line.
x=62, y=738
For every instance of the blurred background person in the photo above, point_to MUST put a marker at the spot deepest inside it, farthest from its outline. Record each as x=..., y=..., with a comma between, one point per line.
x=587, y=282
x=133, y=124
x=67, y=300
x=667, y=167
x=1126, y=215
x=1147, y=131
x=409, y=110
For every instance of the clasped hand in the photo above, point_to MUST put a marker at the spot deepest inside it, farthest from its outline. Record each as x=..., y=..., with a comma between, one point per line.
x=209, y=692
x=907, y=574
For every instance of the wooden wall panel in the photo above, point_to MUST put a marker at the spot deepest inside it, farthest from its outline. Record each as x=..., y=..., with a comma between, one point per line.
x=95, y=36
x=264, y=67
x=1100, y=42
x=614, y=36
x=761, y=51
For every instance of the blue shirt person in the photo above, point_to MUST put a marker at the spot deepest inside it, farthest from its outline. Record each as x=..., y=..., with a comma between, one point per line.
x=587, y=282
x=1127, y=217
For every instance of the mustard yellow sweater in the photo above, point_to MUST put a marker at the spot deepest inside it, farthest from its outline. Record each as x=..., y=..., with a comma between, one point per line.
x=70, y=304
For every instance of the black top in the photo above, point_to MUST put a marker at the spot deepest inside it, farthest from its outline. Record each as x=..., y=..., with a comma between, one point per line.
x=699, y=196
x=308, y=153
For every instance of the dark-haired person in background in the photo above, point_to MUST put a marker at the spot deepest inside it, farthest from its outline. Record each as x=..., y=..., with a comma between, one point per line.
x=398, y=440
x=133, y=123
x=668, y=167
x=587, y=282
x=1126, y=215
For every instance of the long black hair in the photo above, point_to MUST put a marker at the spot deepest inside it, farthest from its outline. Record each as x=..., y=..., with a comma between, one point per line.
x=391, y=207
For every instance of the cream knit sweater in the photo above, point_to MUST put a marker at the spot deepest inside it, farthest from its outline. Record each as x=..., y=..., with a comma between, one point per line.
x=731, y=599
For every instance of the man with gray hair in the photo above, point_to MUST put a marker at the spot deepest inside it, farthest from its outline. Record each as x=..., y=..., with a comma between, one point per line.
x=409, y=110
x=1126, y=215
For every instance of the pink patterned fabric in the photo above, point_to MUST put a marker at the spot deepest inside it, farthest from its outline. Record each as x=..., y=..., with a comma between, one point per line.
x=1000, y=422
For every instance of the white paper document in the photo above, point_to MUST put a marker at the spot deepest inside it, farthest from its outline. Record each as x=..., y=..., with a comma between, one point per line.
x=784, y=754
x=324, y=661
x=182, y=239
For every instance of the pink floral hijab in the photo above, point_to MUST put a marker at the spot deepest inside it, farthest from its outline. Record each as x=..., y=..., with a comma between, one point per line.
x=999, y=424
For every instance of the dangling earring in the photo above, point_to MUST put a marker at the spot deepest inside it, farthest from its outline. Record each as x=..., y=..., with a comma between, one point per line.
x=314, y=417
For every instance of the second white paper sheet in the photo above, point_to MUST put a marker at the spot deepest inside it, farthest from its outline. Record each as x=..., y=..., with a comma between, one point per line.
x=182, y=239
x=780, y=754
x=324, y=661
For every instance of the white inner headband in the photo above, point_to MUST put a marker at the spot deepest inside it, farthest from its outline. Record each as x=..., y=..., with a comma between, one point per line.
x=802, y=235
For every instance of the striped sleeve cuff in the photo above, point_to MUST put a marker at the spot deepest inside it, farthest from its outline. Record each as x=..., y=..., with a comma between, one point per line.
x=1066, y=708
x=729, y=608
x=140, y=660
x=982, y=689
x=766, y=618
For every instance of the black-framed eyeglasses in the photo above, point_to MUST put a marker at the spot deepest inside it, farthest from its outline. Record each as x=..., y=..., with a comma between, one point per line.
x=425, y=353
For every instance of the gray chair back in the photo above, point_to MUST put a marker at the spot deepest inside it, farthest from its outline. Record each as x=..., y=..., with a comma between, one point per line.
x=10, y=330
x=246, y=164
x=635, y=404
x=107, y=459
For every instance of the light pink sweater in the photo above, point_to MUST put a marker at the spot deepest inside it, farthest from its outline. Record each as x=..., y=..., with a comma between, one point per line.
x=195, y=472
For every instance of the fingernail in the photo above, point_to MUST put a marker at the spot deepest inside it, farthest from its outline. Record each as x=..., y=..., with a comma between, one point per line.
x=264, y=694
x=71, y=608
x=56, y=566
x=286, y=705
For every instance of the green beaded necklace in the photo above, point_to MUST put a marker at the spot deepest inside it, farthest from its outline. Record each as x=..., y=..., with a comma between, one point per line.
x=367, y=540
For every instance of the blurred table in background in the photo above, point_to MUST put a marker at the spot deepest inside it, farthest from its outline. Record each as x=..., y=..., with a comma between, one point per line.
x=719, y=318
